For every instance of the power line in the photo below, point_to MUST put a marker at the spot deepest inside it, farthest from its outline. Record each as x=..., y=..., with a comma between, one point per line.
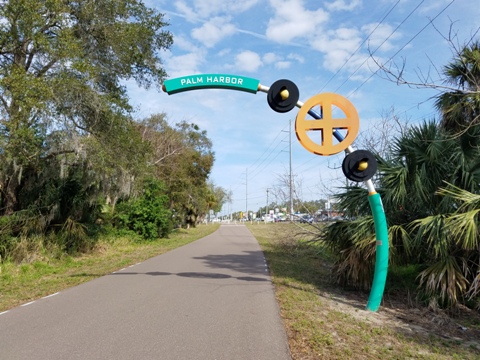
x=273, y=141
x=403, y=47
x=379, y=46
x=360, y=46
x=260, y=157
x=258, y=169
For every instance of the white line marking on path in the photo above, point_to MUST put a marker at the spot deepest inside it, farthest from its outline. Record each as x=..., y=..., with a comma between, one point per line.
x=46, y=297
x=29, y=303
x=4, y=312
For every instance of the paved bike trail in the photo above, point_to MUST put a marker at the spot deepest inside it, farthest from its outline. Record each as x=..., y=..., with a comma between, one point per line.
x=211, y=299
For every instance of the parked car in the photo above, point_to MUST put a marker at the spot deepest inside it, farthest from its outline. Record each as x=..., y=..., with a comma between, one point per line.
x=306, y=219
x=268, y=219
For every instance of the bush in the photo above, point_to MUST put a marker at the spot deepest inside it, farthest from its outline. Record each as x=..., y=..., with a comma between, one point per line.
x=147, y=215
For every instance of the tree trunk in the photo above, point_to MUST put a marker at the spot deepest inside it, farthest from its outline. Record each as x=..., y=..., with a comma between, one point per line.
x=10, y=194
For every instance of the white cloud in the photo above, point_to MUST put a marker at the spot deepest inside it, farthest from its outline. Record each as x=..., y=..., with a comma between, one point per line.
x=293, y=21
x=248, y=61
x=184, y=64
x=206, y=8
x=338, y=46
x=270, y=58
x=224, y=52
x=346, y=39
x=186, y=11
x=379, y=36
x=277, y=61
x=203, y=9
x=296, y=57
x=213, y=31
x=339, y=5
x=184, y=43
x=432, y=6
x=282, y=64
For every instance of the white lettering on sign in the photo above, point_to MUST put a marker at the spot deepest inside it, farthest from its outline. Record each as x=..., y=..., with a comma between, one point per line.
x=206, y=80
x=192, y=81
x=224, y=80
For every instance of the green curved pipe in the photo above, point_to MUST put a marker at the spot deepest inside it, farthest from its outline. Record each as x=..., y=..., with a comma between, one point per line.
x=381, y=259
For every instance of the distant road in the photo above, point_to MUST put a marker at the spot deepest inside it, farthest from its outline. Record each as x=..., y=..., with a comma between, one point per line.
x=209, y=300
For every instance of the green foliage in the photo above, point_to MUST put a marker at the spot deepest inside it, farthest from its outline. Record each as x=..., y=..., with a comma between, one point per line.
x=461, y=109
x=73, y=237
x=20, y=227
x=68, y=145
x=445, y=279
x=147, y=215
x=355, y=243
x=403, y=277
x=429, y=185
x=61, y=74
x=182, y=157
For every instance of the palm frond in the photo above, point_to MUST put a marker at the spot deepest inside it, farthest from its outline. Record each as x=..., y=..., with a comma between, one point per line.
x=444, y=279
x=355, y=266
x=464, y=229
x=468, y=200
x=474, y=289
x=400, y=236
x=74, y=236
x=432, y=230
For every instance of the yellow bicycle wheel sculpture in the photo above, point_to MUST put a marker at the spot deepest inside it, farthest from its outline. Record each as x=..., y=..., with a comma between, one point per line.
x=327, y=125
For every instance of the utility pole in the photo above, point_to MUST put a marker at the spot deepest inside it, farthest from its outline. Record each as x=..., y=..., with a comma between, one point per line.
x=291, y=182
x=266, y=208
x=290, y=178
x=246, y=192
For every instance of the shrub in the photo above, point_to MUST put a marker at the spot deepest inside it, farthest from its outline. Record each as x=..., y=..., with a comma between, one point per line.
x=147, y=215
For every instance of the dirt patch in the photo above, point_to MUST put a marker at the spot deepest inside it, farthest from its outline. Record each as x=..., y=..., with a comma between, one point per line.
x=461, y=325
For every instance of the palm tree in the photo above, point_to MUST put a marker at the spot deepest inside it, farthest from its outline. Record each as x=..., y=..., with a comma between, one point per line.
x=453, y=273
x=461, y=108
x=430, y=185
x=424, y=219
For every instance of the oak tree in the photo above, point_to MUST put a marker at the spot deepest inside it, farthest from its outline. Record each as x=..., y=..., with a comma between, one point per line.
x=62, y=67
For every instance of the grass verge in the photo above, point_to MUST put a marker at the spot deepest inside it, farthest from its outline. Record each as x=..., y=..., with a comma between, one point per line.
x=325, y=322
x=21, y=283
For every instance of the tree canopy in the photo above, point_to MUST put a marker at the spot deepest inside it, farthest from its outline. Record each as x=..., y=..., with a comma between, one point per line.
x=62, y=64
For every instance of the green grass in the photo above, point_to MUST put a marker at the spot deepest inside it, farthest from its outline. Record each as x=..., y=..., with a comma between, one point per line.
x=325, y=322
x=21, y=283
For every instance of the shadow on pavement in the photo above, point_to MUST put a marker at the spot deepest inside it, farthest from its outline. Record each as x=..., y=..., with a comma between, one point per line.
x=253, y=262
x=197, y=275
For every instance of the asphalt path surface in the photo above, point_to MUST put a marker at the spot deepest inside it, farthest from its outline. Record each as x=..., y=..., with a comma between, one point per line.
x=210, y=300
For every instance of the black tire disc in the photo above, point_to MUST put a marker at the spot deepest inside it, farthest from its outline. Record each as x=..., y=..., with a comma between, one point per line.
x=352, y=165
x=275, y=99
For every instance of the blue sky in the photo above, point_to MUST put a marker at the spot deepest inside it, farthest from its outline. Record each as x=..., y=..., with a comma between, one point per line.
x=322, y=46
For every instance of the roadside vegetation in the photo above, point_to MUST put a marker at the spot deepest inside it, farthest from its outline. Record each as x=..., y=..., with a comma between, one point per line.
x=46, y=273
x=326, y=321
x=429, y=180
x=75, y=162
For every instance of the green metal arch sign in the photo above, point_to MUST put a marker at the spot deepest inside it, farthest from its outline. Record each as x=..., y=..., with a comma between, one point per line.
x=241, y=83
x=211, y=81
